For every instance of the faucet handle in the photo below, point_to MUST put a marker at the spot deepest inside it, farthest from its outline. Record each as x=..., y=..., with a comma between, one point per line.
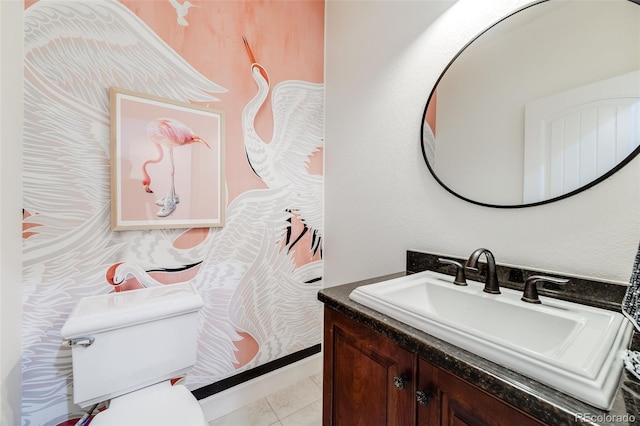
x=531, y=287
x=461, y=278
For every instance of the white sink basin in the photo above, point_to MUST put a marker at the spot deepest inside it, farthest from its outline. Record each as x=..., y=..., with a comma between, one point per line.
x=574, y=348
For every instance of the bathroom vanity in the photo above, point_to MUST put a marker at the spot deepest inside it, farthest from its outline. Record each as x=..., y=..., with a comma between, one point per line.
x=378, y=370
x=372, y=380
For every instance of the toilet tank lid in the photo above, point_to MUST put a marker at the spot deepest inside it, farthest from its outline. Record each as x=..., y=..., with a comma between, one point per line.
x=114, y=310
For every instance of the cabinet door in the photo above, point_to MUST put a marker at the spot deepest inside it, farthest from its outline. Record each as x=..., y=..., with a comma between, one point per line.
x=360, y=366
x=456, y=402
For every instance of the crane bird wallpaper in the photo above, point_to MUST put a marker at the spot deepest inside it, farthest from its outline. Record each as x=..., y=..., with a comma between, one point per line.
x=260, y=63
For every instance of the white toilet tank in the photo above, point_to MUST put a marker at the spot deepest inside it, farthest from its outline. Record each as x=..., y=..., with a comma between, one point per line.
x=125, y=341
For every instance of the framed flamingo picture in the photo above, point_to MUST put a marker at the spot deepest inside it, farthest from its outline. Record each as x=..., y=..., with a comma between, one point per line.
x=167, y=163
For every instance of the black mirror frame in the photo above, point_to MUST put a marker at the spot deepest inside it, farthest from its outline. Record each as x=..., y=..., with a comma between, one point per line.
x=591, y=184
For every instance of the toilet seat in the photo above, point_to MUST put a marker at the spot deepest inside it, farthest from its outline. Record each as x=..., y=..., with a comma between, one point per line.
x=158, y=405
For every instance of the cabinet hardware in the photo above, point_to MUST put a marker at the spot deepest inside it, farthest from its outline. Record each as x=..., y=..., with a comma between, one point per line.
x=400, y=382
x=423, y=398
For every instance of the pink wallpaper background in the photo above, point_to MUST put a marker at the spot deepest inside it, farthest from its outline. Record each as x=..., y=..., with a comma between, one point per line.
x=259, y=274
x=287, y=38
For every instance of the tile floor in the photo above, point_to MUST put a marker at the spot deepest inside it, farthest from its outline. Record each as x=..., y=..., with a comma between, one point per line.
x=297, y=405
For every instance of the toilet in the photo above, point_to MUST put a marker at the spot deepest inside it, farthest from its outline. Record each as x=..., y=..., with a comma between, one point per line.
x=126, y=348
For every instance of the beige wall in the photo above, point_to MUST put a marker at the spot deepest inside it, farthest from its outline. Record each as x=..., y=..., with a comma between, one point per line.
x=381, y=200
x=10, y=211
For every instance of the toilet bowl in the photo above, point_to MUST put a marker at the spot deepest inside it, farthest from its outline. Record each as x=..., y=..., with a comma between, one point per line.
x=126, y=348
x=157, y=405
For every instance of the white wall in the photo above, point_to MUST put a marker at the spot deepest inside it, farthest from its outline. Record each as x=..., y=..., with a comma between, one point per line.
x=382, y=60
x=11, y=61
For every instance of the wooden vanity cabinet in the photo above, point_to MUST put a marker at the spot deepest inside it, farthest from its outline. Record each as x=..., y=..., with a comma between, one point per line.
x=369, y=381
x=457, y=402
x=358, y=379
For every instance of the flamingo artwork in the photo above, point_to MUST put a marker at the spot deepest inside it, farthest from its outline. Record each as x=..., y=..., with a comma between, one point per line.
x=167, y=133
x=298, y=127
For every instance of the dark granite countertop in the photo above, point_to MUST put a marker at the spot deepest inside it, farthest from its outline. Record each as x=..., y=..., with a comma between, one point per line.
x=540, y=401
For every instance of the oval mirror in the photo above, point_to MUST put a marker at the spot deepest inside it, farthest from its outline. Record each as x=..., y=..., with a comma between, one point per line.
x=542, y=105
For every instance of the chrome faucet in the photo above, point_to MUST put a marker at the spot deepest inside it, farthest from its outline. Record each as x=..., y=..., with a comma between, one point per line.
x=491, y=282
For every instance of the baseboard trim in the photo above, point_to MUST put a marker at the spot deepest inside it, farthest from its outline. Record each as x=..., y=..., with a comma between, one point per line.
x=229, y=400
x=258, y=371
